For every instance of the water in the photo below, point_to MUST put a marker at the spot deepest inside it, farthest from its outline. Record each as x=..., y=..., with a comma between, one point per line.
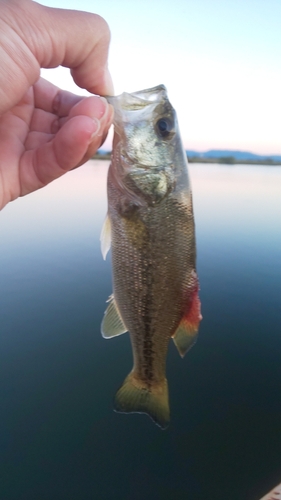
x=59, y=438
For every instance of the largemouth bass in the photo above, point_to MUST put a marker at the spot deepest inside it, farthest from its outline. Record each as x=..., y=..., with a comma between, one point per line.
x=150, y=227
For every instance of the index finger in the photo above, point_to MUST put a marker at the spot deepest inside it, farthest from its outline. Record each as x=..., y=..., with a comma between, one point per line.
x=74, y=39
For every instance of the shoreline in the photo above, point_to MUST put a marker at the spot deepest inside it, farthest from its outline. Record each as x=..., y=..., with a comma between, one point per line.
x=223, y=160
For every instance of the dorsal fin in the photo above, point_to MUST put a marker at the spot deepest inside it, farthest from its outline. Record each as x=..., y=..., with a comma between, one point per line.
x=112, y=323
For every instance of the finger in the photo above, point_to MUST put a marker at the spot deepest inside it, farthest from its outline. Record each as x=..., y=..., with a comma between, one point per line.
x=41, y=166
x=92, y=149
x=52, y=99
x=94, y=107
x=36, y=139
x=44, y=125
x=64, y=152
x=77, y=40
x=42, y=121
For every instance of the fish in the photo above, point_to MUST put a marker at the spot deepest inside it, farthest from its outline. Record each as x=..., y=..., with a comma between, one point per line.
x=151, y=232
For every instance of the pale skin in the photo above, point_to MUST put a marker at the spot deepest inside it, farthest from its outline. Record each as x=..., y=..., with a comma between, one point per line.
x=45, y=131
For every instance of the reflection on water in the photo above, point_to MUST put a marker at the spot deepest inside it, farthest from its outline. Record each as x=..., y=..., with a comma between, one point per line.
x=59, y=437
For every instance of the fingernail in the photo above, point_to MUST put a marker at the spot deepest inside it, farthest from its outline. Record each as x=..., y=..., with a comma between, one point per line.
x=104, y=107
x=96, y=126
x=108, y=83
x=110, y=115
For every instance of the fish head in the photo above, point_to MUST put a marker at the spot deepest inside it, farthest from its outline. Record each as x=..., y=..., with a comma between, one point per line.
x=145, y=126
x=147, y=150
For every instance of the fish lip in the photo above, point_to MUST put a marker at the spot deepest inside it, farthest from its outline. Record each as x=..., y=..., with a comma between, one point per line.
x=157, y=94
x=152, y=90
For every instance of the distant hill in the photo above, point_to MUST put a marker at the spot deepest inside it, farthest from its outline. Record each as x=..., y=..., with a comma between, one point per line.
x=228, y=153
x=227, y=156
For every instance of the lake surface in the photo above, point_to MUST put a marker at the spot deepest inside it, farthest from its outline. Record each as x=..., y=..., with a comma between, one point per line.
x=59, y=438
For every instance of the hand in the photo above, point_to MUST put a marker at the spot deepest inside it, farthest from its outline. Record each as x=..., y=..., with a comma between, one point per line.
x=44, y=131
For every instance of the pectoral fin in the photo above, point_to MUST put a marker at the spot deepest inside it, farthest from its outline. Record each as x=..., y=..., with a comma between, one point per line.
x=105, y=237
x=112, y=324
x=186, y=334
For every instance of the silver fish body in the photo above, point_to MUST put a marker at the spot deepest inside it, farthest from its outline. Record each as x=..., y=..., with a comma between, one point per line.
x=151, y=227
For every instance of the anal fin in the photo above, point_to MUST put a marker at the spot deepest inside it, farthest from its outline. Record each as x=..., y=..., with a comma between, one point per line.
x=184, y=338
x=185, y=335
x=112, y=323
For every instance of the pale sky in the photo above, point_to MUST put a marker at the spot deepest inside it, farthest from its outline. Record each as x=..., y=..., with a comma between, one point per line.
x=219, y=59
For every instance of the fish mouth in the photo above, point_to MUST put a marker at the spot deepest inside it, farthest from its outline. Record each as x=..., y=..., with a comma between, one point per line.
x=139, y=99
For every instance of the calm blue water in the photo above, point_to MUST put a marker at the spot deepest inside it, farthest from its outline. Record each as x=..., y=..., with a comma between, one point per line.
x=59, y=438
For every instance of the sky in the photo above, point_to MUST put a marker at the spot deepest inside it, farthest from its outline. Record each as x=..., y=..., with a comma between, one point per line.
x=219, y=59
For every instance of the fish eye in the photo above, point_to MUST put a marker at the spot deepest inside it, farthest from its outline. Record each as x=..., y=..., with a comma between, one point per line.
x=164, y=126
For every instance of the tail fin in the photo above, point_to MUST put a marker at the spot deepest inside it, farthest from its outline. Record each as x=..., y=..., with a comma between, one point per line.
x=136, y=397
